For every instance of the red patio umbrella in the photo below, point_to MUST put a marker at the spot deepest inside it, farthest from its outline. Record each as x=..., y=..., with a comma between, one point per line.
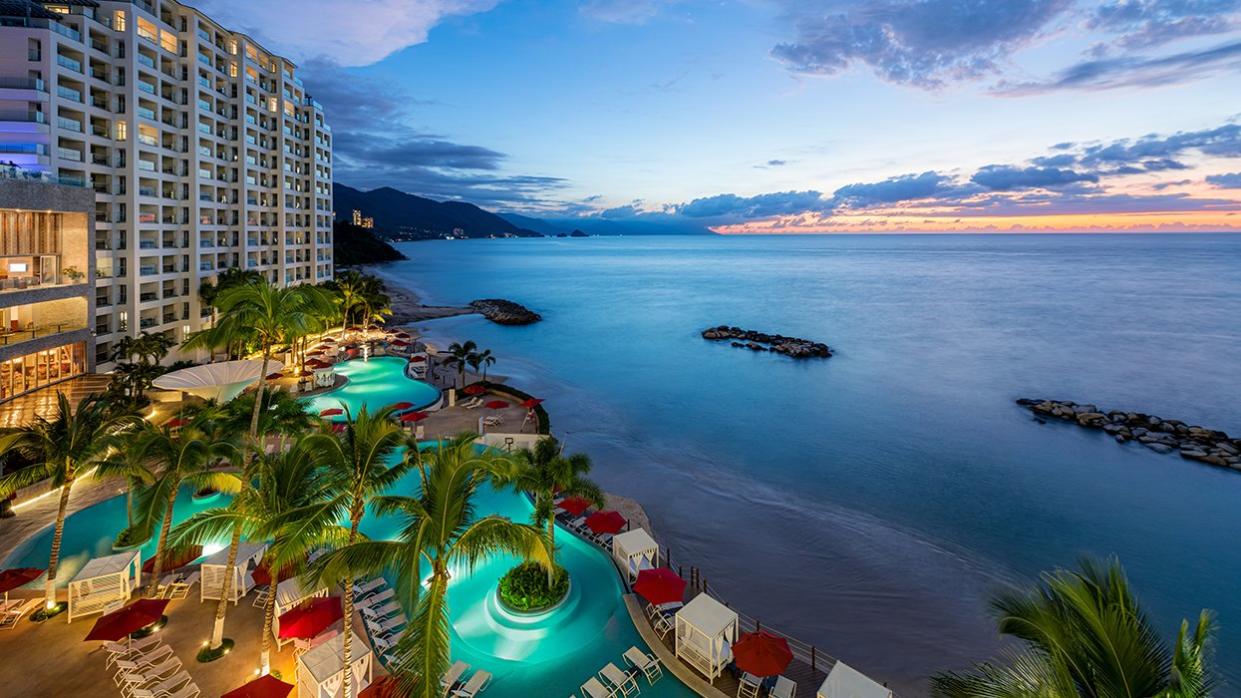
x=411, y=417
x=399, y=343
x=497, y=405
x=262, y=575
x=382, y=687
x=660, y=585
x=354, y=328
x=134, y=617
x=15, y=577
x=762, y=653
x=175, y=423
x=575, y=505
x=474, y=389
x=402, y=405
x=328, y=340
x=532, y=403
x=315, y=363
x=606, y=522
x=417, y=359
x=174, y=560
x=331, y=412
x=339, y=427
x=315, y=352
x=275, y=376
x=265, y=686
x=310, y=618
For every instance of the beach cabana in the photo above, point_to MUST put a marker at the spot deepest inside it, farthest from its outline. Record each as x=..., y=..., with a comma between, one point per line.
x=635, y=551
x=705, y=632
x=103, y=583
x=846, y=682
x=211, y=581
x=320, y=670
x=289, y=594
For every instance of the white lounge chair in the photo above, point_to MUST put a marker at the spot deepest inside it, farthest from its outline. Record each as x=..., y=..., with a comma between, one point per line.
x=493, y=421
x=384, y=643
x=452, y=677
x=260, y=596
x=117, y=651
x=14, y=610
x=620, y=681
x=180, y=588
x=648, y=664
x=168, y=686
x=593, y=689
x=662, y=625
x=189, y=690
x=473, y=403
x=390, y=608
x=389, y=626
x=378, y=597
x=748, y=686
x=363, y=590
x=474, y=686
x=137, y=664
x=784, y=688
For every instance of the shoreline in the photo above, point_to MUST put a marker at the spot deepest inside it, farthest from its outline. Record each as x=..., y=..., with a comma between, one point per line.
x=407, y=307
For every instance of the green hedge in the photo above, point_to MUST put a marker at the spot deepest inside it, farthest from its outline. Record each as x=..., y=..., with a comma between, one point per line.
x=524, y=588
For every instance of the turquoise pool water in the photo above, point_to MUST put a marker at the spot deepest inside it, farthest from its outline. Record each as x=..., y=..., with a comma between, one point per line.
x=545, y=655
x=379, y=382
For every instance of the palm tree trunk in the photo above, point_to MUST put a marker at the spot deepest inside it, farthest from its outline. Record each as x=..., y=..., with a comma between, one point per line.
x=551, y=548
x=54, y=559
x=347, y=643
x=269, y=614
x=217, y=631
x=258, y=398
x=162, y=545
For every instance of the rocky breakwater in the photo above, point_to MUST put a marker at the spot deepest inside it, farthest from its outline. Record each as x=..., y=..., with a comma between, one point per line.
x=761, y=341
x=1156, y=433
x=503, y=312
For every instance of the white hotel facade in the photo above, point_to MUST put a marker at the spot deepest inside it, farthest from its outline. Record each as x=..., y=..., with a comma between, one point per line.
x=204, y=151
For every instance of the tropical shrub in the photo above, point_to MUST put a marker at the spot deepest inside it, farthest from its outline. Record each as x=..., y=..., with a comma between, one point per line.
x=525, y=587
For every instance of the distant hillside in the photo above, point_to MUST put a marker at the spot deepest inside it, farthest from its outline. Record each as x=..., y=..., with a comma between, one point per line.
x=407, y=217
x=607, y=226
x=352, y=245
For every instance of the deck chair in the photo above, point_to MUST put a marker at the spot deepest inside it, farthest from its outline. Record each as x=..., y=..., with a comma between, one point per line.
x=363, y=590
x=646, y=663
x=748, y=686
x=621, y=682
x=784, y=688
x=383, y=611
x=593, y=689
x=14, y=610
x=389, y=626
x=452, y=677
x=181, y=589
x=474, y=686
x=260, y=596
x=661, y=625
x=378, y=597
x=387, y=642
x=169, y=685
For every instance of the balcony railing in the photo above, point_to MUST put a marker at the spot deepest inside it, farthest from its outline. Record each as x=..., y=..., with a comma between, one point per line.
x=27, y=334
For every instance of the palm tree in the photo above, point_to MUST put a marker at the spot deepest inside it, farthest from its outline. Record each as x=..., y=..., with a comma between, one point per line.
x=545, y=470
x=441, y=531
x=164, y=461
x=486, y=359
x=268, y=315
x=278, y=483
x=1085, y=636
x=459, y=355
x=360, y=463
x=62, y=449
x=281, y=414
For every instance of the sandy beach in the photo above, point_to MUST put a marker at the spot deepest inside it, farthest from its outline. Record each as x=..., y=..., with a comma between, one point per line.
x=407, y=307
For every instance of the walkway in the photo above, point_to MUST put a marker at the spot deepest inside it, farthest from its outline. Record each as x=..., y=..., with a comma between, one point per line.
x=23, y=409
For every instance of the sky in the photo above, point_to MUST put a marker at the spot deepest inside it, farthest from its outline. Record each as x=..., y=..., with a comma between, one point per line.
x=784, y=115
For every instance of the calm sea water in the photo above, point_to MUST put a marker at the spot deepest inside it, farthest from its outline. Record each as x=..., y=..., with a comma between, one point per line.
x=870, y=502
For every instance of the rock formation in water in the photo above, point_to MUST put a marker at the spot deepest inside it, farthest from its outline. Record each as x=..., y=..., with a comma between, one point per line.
x=1160, y=435
x=504, y=312
x=794, y=347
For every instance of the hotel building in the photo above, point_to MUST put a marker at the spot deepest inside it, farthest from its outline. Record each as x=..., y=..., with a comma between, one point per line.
x=46, y=284
x=203, y=150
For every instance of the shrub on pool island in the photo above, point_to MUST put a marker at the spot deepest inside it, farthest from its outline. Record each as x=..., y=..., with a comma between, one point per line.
x=524, y=588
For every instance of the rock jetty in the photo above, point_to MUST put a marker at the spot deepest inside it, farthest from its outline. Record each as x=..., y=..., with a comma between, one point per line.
x=1156, y=433
x=794, y=347
x=504, y=312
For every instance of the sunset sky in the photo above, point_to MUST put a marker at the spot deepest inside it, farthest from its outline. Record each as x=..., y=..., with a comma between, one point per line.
x=785, y=115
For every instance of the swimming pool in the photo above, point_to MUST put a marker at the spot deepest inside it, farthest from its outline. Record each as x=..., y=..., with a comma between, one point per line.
x=549, y=654
x=378, y=382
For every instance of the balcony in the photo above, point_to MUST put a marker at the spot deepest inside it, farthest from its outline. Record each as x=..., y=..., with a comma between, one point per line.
x=38, y=331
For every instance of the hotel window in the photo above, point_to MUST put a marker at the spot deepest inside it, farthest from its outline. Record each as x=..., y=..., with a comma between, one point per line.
x=122, y=130
x=25, y=373
x=118, y=20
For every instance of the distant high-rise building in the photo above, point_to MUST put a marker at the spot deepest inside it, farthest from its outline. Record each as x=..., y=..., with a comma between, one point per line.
x=362, y=221
x=204, y=151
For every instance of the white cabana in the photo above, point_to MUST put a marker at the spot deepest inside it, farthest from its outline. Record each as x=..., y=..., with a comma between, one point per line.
x=325, y=377
x=221, y=381
x=321, y=670
x=634, y=551
x=103, y=583
x=843, y=681
x=290, y=593
x=705, y=632
x=211, y=582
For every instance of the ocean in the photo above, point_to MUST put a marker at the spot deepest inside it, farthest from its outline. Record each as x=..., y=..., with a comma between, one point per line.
x=869, y=503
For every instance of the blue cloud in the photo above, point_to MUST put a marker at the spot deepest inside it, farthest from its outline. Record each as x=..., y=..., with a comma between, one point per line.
x=1009, y=178
x=926, y=43
x=1134, y=71
x=1230, y=180
x=1224, y=141
x=894, y=189
x=761, y=206
x=1144, y=23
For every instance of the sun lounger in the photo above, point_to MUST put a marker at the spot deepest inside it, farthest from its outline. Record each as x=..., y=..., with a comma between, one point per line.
x=383, y=611
x=14, y=610
x=784, y=688
x=378, y=597
x=473, y=403
x=189, y=690
x=389, y=626
x=620, y=681
x=362, y=590
x=180, y=588
x=137, y=664
x=384, y=643
x=748, y=686
x=593, y=689
x=117, y=651
x=662, y=625
x=452, y=677
x=168, y=686
x=493, y=421
x=646, y=663
x=474, y=686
